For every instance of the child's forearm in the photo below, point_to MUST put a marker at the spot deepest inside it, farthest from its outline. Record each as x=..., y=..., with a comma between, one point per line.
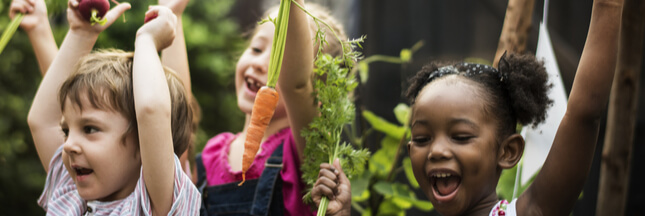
x=592, y=83
x=45, y=114
x=153, y=112
x=44, y=45
x=295, y=80
x=176, y=56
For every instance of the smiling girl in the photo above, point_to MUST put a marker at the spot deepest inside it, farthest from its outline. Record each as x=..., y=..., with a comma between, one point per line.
x=463, y=128
x=273, y=182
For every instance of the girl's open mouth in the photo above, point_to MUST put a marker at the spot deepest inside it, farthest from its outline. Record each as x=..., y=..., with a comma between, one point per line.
x=445, y=185
x=253, y=84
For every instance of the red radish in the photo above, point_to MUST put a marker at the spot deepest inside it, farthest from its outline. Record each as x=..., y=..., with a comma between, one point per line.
x=94, y=10
x=149, y=17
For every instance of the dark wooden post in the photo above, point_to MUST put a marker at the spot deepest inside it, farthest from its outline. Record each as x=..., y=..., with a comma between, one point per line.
x=621, y=119
x=517, y=24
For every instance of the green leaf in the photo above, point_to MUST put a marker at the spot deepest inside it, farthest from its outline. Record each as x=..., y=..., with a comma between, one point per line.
x=363, y=71
x=380, y=124
x=402, y=113
x=388, y=207
x=381, y=161
x=423, y=205
x=407, y=167
x=359, y=186
x=406, y=55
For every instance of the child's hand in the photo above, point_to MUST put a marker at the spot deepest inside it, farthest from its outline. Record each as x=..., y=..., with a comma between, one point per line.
x=35, y=13
x=161, y=29
x=78, y=23
x=177, y=6
x=333, y=183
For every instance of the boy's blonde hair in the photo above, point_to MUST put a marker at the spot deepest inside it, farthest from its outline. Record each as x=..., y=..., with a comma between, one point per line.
x=333, y=47
x=105, y=78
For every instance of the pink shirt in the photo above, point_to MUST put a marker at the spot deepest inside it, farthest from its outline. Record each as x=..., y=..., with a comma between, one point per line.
x=218, y=171
x=60, y=196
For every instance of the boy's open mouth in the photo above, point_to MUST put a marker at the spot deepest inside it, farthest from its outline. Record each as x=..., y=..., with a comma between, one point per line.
x=253, y=84
x=444, y=185
x=83, y=171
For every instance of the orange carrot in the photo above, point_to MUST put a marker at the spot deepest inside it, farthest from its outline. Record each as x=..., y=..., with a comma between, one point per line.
x=265, y=102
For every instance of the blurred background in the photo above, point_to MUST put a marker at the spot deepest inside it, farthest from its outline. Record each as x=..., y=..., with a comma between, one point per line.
x=215, y=37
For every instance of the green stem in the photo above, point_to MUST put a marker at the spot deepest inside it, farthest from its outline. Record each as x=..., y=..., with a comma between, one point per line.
x=279, y=41
x=322, y=208
x=342, y=45
x=11, y=29
x=358, y=207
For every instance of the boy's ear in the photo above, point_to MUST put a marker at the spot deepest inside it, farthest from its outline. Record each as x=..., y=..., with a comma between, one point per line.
x=510, y=151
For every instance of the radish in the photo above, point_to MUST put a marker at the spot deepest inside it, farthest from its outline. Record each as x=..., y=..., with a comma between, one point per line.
x=149, y=17
x=94, y=10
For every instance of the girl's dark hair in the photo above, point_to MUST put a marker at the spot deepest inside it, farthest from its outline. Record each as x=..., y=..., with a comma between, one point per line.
x=516, y=92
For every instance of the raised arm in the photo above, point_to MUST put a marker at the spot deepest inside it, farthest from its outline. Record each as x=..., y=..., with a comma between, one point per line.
x=557, y=186
x=176, y=56
x=152, y=107
x=36, y=24
x=45, y=114
x=295, y=78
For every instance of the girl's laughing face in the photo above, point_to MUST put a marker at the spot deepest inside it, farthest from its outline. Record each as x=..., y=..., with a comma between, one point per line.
x=454, y=147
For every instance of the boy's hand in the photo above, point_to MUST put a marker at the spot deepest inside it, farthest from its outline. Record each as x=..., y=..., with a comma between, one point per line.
x=35, y=13
x=78, y=23
x=177, y=6
x=160, y=29
x=333, y=183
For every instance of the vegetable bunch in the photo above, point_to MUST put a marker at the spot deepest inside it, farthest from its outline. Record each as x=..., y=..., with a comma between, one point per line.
x=333, y=91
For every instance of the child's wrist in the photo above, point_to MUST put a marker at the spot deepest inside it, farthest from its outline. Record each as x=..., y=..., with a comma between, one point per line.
x=84, y=35
x=41, y=28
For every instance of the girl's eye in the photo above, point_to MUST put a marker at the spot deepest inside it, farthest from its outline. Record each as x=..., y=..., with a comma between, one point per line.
x=462, y=138
x=256, y=50
x=419, y=140
x=90, y=129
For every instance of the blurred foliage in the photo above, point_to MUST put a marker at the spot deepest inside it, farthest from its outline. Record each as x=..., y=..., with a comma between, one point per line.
x=213, y=41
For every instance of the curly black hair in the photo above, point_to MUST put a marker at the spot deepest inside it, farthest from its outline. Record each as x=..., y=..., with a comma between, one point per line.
x=516, y=91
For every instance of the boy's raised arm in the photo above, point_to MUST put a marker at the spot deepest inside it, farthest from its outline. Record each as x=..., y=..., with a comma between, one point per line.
x=153, y=108
x=294, y=82
x=45, y=114
x=36, y=24
x=557, y=186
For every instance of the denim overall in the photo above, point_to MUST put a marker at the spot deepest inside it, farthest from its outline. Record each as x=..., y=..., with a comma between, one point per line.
x=262, y=196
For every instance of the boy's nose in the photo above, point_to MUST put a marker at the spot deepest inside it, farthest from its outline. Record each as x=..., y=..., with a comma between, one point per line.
x=71, y=146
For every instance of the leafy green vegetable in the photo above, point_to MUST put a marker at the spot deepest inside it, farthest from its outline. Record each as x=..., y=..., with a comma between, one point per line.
x=333, y=92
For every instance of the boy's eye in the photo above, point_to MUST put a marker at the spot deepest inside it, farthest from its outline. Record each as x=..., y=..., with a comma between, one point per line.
x=65, y=132
x=90, y=129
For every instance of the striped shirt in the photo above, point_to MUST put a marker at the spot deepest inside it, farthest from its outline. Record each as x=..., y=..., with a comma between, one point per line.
x=60, y=196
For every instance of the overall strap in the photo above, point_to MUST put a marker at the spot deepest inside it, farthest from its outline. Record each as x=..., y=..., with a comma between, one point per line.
x=268, y=193
x=201, y=183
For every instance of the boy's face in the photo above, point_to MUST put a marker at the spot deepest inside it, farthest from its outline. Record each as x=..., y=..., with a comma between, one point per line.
x=102, y=166
x=251, y=72
x=453, y=147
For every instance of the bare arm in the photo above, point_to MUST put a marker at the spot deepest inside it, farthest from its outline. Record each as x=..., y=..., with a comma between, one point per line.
x=560, y=181
x=176, y=56
x=152, y=107
x=45, y=114
x=295, y=79
x=36, y=24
